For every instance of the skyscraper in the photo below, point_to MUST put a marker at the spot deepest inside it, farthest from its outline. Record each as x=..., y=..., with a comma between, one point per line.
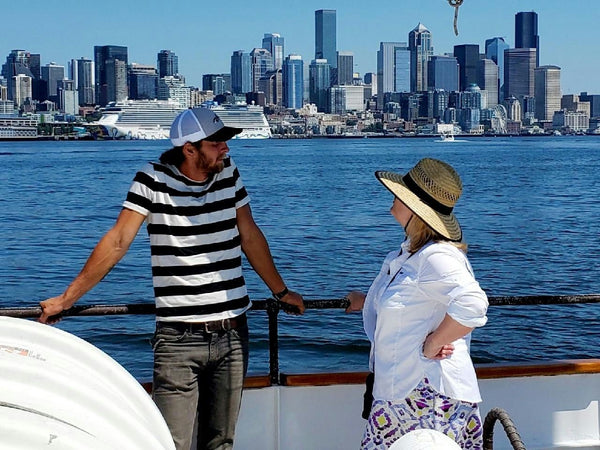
x=345, y=67
x=52, y=73
x=467, y=56
x=443, y=73
x=494, y=50
x=18, y=62
x=488, y=80
x=319, y=83
x=519, y=66
x=326, y=36
x=547, y=92
x=167, y=63
x=393, y=69
x=143, y=82
x=275, y=44
x=111, y=73
x=83, y=76
x=421, y=50
x=293, y=81
x=241, y=72
x=526, y=32
x=262, y=62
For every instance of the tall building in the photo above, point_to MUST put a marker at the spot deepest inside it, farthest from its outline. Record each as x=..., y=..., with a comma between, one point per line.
x=52, y=73
x=262, y=62
x=326, y=36
x=68, y=101
x=393, y=69
x=594, y=100
x=467, y=56
x=18, y=62
x=21, y=89
x=271, y=83
x=494, y=50
x=275, y=44
x=547, y=91
x=421, y=51
x=526, y=32
x=488, y=80
x=110, y=63
x=219, y=83
x=82, y=73
x=443, y=73
x=293, y=81
x=174, y=88
x=167, y=63
x=143, y=82
x=319, y=78
x=241, y=72
x=345, y=67
x=519, y=66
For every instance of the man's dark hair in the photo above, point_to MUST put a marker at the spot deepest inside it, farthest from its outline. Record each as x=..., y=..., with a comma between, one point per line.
x=173, y=156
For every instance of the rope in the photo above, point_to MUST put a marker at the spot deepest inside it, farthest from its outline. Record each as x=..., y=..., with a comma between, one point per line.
x=509, y=428
x=455, y=4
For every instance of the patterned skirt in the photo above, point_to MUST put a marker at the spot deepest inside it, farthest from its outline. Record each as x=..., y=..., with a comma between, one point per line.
x=424, y=408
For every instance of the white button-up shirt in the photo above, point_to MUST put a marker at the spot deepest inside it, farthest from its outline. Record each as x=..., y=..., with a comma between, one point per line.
x=408, y=300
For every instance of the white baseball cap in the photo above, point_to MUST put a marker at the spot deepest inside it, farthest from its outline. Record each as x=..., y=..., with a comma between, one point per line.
x=193, y=125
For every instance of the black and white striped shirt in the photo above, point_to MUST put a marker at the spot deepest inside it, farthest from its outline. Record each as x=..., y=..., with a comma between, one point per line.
x=194, y=240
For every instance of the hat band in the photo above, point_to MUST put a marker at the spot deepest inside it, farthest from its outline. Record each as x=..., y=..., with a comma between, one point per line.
x=424, y=196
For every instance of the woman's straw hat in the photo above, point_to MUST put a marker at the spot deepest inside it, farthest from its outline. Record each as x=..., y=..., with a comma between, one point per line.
x=430, y=190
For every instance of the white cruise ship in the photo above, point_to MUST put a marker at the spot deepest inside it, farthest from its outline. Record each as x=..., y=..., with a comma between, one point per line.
x=249, y=117
x=139, y=119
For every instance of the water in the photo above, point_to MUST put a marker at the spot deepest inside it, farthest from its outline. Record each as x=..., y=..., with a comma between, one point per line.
x=528, y=213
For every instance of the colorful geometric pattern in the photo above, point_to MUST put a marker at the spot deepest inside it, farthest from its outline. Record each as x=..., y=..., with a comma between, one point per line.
x=423, y=408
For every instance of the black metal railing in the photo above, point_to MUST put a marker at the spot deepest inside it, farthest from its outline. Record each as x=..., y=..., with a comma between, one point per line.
x=273, y=308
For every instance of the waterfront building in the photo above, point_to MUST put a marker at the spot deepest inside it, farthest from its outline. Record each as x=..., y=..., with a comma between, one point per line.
x=469, y=118
x=519, y=66
x=467, y=56
x=68, y=99
x=241, y=72
x=572, y=120
x=110, y=63
x=450, y=115
x=82, y=73
x=326, y=36
x=547, y=92
x=262, y=62
x=488, y=80
x=345, y=68
x=21, y=89
x=572, y=102
x=174, y=88
x=494, y=50
x=7, y=109
x=52, y=73
x=3, y=91
x=471, y=98
x=143, y=82
x=594, y=103
x=440, y=100
x=346, y=98
x=513, y=109
x=393, y=69
x=293, y=81
x=167, y=63
x=275, y=44
x=319, y=77
x=443, y=73
x=272, y=85
x=421, y=51
x=526, y=33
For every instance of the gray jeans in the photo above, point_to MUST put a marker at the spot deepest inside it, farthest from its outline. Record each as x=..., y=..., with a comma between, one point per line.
x=198, y=378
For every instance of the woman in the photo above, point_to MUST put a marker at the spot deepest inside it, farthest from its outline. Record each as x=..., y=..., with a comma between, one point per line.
x=419, y=313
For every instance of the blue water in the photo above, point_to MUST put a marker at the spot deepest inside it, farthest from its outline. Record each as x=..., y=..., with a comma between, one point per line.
x=529, y=214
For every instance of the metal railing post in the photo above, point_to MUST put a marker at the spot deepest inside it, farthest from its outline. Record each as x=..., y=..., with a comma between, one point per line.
x=272, y=312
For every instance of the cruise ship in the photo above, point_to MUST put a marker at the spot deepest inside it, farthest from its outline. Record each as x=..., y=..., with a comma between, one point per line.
x=249, y=117
x=151, y=119
x=139, y=119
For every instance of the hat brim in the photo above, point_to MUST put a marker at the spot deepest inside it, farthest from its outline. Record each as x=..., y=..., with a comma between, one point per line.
x=445, y=224
x=224, y=134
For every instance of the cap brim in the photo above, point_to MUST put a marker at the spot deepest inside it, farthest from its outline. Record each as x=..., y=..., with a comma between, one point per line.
x=224, y=134
x=446, y=225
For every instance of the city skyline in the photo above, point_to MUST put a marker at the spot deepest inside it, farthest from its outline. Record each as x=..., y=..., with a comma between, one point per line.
x=203, y=36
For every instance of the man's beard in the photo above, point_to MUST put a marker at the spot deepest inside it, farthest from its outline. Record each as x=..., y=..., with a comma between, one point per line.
x=210, y=168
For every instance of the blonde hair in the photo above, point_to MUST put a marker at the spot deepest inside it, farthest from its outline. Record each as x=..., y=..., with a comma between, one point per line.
x=420, y=234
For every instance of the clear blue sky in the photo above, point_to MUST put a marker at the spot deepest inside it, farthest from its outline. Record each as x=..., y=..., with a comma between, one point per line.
x=204, y=33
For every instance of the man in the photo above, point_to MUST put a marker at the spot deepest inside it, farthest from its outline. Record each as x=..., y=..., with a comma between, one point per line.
x=199, y=221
